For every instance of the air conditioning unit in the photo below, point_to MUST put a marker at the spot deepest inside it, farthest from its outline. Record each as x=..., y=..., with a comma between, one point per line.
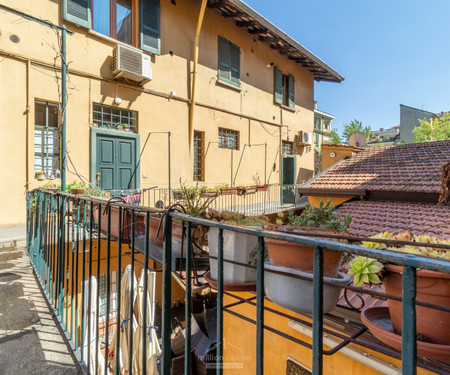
x=304, y=138
x=131, y=64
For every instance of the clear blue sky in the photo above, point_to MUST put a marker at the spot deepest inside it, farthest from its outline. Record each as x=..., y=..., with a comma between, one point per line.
x=389, y=52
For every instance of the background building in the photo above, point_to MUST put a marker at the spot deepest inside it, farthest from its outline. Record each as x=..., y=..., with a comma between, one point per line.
x=157, y=91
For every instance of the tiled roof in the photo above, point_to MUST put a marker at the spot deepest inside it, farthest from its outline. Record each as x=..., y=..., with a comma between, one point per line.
x=372, y=217
x=401, y=168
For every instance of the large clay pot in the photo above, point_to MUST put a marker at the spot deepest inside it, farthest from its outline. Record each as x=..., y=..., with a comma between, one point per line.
x=301, y=257
x=298, y=294
x=432, y=287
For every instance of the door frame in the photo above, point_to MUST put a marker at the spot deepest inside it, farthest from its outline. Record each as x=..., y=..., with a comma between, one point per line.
x=95, y=132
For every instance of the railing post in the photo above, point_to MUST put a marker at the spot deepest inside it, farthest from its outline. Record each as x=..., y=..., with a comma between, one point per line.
x=219, y=363
x=187, y=352
x=167, y=297
x=260, y=308
x=318, y=311
x=409, y=344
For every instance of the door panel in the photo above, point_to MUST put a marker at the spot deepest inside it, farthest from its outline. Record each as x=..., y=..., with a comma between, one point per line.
x=288, y=194
x=116, y=162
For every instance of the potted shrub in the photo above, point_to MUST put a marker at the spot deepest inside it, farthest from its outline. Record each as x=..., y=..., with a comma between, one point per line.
x=126, y=127
x=225, y=189
x=75, y=188
x=238, y=247
x=432, y=287
x=318, y=220
x=262, y=187
x=40, y=175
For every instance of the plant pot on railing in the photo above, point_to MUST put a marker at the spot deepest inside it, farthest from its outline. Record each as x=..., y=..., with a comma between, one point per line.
x=210, y=194
x=299, y=256
x=228, y=191
x=114, y=229
x=262, y=187
x=297, y=294
x=251, y=190
x=432, y=287
x=237, y=247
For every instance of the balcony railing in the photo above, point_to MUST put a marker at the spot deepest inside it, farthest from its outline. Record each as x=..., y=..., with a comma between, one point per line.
x=275, y=198
x=74, y=241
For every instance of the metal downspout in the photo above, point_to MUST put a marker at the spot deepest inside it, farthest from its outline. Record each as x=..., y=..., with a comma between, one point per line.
x=27, y=131
x=63, y=107
x=194, y=71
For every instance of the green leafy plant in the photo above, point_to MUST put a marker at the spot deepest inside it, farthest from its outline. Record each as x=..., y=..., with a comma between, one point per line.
x=191, y=199
x=236, y=218
x=74, y=185
x=365, y=270
x=321, y=216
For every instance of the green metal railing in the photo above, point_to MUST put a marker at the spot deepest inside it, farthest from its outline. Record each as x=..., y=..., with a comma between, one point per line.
x=65, y=234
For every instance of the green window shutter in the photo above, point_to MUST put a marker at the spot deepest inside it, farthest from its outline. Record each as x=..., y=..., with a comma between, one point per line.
x=291, y=87
x=150, y=26
x=224, y=60
x=77, y=11
x=278, y=85
x=229, y=68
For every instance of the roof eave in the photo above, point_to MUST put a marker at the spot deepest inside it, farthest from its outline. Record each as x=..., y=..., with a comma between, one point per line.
x=331, y=76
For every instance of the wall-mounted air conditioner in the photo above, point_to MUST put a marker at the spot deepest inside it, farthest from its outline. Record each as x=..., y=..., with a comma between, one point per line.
x=304, y=138
x=131, y=64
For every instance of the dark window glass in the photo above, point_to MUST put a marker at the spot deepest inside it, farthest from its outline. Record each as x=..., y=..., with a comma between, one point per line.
x=114, y=118
x=123, y=19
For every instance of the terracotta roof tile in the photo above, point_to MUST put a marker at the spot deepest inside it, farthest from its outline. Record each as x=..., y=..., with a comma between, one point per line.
x=372, y=217
x=403, y=168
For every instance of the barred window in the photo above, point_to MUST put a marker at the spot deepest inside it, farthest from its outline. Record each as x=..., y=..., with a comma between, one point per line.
x=199, y=146
x=114, y=118
x=228, y=139
x=286, y=148
x=46, y=138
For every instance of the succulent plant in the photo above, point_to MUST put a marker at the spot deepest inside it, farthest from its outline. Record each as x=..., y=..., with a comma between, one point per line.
x=365, y=270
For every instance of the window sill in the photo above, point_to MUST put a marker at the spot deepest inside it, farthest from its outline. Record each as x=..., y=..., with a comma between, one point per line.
x=287, y=108
x=228, y=85
x=112, y=40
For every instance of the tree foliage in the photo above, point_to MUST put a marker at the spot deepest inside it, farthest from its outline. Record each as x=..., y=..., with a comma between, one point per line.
x=434, y=130
x=334, y=138
x=356, y=126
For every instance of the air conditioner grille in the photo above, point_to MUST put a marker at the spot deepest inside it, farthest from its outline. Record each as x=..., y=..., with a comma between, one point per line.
x=130, y=61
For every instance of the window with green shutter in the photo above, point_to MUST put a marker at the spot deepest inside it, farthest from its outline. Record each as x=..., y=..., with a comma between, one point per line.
x=284, y=88
x=150, y=26
x=77, y=11
x=229, y=62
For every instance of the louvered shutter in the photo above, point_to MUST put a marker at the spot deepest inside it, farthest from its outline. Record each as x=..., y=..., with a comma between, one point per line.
x=235, y=56
x=278, y=85
x=150, y=26
x=77, y=11
x=224, y=59
x=291, y=91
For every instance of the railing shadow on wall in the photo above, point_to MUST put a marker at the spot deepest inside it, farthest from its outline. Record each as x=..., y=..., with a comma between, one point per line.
x=97, y=263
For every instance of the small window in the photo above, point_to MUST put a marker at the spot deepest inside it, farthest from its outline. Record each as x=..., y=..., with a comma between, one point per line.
x=317, y=140
x=228, y=139
x=284, y=88
x=317, y=123
x=229, y=70
x=199, y=150
x=327, y=126
x=286, y=148
x=46, y=138
x=114, y=118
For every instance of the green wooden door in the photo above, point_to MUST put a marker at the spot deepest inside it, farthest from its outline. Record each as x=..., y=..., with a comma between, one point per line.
x=116, y=162
x=288, y=178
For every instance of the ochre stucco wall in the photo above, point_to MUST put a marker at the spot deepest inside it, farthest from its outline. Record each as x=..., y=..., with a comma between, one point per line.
x=90, y=60
x=240, y=345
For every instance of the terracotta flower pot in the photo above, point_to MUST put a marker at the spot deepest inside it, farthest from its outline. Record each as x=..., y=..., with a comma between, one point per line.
x=251, y=190
x=77, y=191
x=210, y=194
x=298, y=256
x=432, y=287
x=229, y=191
x=262, y=187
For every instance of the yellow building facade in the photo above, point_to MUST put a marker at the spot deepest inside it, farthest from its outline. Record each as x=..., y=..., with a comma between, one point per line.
x=216, y=137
